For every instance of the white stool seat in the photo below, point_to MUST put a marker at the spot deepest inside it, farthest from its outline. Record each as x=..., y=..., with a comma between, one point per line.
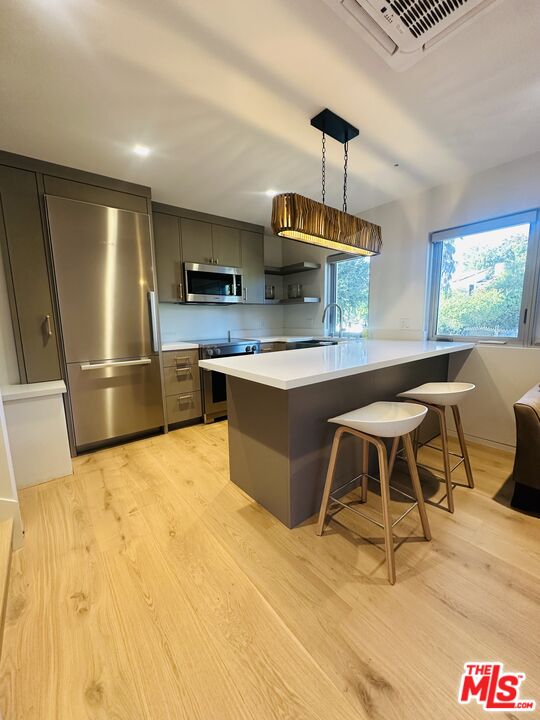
x=383, y=419
x=439, y=393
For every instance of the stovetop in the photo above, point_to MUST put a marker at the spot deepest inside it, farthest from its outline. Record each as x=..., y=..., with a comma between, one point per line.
x=220, y=342
x=224, y=347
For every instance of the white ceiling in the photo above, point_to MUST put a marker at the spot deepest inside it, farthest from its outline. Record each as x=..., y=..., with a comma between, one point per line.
x=223, y=90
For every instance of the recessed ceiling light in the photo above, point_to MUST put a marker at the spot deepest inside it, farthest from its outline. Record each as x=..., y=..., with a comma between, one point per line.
x=271, y=193
x=396, y=164
x=141, y=150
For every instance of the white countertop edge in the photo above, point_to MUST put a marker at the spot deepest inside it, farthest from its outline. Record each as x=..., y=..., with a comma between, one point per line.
x=331, y=374
x=32, y=390
x=179, y=345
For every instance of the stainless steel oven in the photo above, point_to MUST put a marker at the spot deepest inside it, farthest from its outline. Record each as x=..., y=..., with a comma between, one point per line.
x=213, y=283
x=214, y=384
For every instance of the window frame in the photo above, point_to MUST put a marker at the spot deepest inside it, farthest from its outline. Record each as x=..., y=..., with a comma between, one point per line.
x=530, y=299
x=332, y=261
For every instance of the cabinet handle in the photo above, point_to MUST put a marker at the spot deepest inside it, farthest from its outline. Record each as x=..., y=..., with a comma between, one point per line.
x=185, y=371
x=179, y=291
x=183, y=398
x=181, y=360
x=48, y=325
x=245, y=294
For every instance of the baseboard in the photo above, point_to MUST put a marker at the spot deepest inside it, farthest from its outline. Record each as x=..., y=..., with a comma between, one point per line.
x=484, y=441
x=9, y=510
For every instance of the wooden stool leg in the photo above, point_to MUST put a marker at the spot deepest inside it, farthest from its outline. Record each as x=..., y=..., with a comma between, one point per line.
x=393, y=453
x=387, y=519
x=365, y=469
x=329, y=479
x=416, y=441
x=446, y=458
x=413, y=471
x=463, y=445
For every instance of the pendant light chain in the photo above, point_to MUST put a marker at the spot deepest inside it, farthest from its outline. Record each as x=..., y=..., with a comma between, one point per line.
x=345, y=163
x=323, y=171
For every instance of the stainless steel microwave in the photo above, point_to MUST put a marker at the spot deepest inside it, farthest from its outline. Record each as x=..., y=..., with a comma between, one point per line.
x=213, y=283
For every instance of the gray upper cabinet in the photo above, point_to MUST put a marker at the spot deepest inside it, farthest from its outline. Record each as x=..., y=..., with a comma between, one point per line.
x=23, y=244
x=196, y=241
x=226, y=246
x=253, y=266
x=168, y=247
x=204, y=242
x=207, y=239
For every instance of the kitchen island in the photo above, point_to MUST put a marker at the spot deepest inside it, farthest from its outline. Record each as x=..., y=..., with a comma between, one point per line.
x=279, y=404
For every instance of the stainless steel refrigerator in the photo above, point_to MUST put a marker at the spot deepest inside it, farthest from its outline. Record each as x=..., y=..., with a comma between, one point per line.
x=104, y=277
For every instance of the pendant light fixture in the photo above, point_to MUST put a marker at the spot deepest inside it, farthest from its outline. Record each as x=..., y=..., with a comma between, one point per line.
x=300, y=218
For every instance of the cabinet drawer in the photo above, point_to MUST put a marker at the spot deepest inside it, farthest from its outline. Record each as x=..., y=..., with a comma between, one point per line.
x=184, y=406
x=181, y=379
x=180, y=358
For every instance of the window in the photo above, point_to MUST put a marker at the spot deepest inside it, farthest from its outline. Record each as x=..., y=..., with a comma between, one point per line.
x=349, y=288
x=483, y=279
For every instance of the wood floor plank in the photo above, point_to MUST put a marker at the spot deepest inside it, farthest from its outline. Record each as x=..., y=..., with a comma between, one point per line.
x=151, y=587
x=410, y=613
x=266, y=660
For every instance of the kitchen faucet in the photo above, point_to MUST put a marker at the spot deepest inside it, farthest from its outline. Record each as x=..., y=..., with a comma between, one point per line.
x=328, y=306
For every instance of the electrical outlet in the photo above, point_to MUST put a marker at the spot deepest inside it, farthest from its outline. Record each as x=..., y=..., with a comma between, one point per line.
x=404, y=324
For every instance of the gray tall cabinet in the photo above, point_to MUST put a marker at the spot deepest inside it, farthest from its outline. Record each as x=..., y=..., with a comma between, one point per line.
x=23, y=244
x=25, y=248
x=182, y=235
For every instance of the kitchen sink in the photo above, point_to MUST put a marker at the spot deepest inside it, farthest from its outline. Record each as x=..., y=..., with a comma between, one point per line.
x=303, y=344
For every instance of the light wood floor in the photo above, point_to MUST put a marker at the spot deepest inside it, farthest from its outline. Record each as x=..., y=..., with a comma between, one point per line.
x=150, y=587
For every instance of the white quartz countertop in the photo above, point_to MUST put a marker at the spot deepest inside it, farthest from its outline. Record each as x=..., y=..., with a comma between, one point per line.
x=290, y=369
x=179, y=345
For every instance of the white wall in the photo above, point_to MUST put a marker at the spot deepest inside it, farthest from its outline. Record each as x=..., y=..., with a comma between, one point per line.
x=9, y=500
x=202, y=322
x=399, y=284
x=305, y=319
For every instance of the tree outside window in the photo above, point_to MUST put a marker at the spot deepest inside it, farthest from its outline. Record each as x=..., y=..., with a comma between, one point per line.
x=481, y=283
x=350, y=283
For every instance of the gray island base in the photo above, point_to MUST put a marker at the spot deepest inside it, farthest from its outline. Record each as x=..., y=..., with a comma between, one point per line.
x=279, y=440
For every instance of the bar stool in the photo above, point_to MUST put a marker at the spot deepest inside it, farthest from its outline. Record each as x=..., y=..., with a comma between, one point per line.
x=438, y=396
x=372, y=423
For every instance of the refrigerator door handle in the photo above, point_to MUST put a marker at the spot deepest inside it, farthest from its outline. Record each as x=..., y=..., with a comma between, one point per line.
x=154, y=320
x=115, y=363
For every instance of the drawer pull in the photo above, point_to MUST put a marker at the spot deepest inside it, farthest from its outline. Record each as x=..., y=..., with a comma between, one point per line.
x=183, y=360
x=183, y=370
x=184, y=398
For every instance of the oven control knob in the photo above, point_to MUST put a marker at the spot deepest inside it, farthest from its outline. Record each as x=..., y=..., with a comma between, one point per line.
x=218, y=351
x=248, y=348
x=209, y=352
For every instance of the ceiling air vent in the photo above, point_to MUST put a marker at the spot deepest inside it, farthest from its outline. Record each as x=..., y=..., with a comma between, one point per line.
x=402, y=31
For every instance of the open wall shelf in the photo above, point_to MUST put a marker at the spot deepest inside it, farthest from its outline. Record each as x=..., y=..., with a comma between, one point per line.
x=292, y=269
x=293, y=301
